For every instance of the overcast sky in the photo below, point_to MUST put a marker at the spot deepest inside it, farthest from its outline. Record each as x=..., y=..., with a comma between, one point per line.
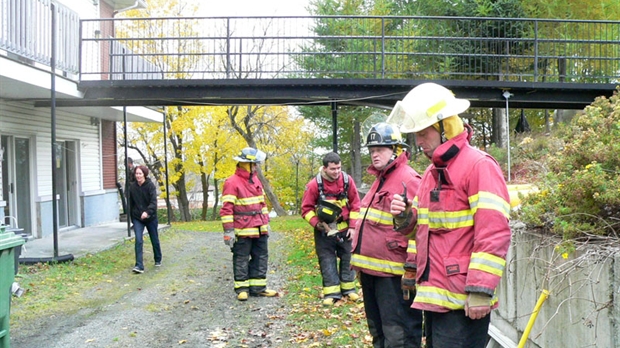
x=254, y=8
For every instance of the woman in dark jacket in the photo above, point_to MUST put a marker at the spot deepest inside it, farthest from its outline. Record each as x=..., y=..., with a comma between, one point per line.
x=143, y=202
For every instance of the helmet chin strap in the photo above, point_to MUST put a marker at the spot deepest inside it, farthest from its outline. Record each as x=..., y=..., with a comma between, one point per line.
x=394, y=155
x=442, y=132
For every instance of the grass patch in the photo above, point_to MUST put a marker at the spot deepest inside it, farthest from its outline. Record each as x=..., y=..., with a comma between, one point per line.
x=312, y=324
x=279, y=224
x=68, y=287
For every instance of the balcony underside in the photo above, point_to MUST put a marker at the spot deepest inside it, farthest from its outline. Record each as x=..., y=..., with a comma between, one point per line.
x=368, y=92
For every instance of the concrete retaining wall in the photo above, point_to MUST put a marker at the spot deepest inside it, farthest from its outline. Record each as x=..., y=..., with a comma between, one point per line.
x=582, y=309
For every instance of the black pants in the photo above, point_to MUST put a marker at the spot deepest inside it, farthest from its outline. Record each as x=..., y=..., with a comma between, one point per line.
x=250, y=263
x=454, y=330
x=338, y=277
x=391, y=320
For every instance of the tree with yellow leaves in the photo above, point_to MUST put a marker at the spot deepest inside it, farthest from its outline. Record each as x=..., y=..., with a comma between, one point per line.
x=181, y=123
x=273, y=130
x=202, y=145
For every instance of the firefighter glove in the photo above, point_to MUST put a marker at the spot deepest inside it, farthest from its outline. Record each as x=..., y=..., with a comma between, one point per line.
x=332, y=229
x=403, y=219
x=407, y=282
x=478, y=305
x=229, y=237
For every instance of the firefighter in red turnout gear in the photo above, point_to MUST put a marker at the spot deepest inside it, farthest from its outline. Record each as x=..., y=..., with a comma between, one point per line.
x=246, y=225
x=331, y=205
x=379, y=251
x=462, y=209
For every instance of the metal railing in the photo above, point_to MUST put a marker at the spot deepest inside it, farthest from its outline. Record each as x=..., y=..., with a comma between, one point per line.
x=361, y=47
x=25, y=32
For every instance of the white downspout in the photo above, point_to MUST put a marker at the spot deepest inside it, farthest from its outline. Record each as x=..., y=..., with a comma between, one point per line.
x=138, y=3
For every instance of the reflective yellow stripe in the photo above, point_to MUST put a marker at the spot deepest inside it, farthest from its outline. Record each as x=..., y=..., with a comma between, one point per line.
x=433, y=109
x=264, y=229
x=227, y=218
x=378, y=265
x=378, y=216
x=252, y=231
x=331, y=290
x=242, y=284
x=341, y=202
x=258, y=282
x=250, y=200
x=229, y=198
x=342, y=225
x=347, y=286
x=411, y=247
x=450, y=219
x=265, y=210
x=244, y=201
x=442, y=297
x=354, y=215
x=309, y=216
x=487, y=200
x=487, y=263
x=445, y=219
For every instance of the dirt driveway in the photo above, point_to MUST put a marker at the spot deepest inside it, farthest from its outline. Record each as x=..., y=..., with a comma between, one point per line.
x=189, y=301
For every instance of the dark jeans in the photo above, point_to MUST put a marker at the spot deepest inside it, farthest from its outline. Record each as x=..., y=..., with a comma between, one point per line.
x=391, y=320
x=151, y=227
x=454, y=330
x=328, y=251
x=250, y=264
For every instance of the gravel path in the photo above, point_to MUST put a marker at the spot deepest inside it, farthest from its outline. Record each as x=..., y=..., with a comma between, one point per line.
x=189, y=301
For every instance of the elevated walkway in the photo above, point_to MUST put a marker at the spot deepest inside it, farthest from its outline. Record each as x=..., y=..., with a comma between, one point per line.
x=348, y=60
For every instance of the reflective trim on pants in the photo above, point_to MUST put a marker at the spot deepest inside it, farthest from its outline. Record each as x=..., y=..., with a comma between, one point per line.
x=335, y=263
x=250, y=264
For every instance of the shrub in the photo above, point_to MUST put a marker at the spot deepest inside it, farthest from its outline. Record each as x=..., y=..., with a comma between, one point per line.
x=579, y=195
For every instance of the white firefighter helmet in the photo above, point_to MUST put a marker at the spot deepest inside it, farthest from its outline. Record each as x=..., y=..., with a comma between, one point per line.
x=251, y=155
x=424, y=106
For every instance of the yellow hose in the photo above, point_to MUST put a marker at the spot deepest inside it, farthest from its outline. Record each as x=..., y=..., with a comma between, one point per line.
x=530, y=323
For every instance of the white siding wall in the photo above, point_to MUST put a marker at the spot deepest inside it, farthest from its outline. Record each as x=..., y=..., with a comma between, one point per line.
x=86, y=9
x=21, y=119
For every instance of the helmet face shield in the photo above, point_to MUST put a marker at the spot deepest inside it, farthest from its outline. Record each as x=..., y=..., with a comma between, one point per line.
x=400, y=118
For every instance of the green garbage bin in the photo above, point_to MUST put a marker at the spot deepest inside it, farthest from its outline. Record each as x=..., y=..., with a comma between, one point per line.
x=8, y=241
